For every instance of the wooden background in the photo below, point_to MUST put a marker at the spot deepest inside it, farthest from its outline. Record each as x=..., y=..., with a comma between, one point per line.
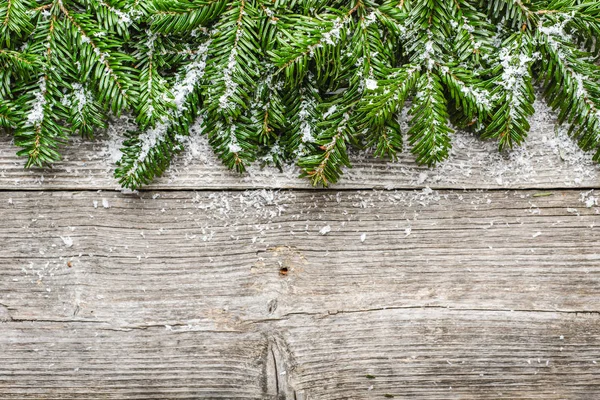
x=476, y=280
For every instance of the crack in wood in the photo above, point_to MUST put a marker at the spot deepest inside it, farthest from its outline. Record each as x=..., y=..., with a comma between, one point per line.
x=275, y=372
x=4, y=311
x=5, y=314
x=108, y=325
x=392, y=308
x=279, y=365
x=58, y=321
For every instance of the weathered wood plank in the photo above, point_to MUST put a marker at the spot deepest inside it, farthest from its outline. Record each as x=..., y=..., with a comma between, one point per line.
x=442, y=354
x=501, y=250
x=58, y=360
x=548, y=160
x=408, y=353
x=216, y=294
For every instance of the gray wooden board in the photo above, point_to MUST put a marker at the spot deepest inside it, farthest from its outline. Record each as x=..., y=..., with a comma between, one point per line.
x=300, y=294
x=548, y=159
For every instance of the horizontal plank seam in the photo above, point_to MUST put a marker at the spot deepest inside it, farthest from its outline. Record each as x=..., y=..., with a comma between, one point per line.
x=301, y=190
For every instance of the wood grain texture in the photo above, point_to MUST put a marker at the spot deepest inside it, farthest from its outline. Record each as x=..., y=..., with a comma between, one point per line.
x=300, y=295
x=58, y=360
x=444, y=354
x=548, y=160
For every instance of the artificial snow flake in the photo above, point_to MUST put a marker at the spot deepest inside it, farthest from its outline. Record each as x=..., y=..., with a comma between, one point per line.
x=330, y=111
x=370, y=19
x=589, y=199
x=371, y=84
x=332, y=35
x=36, y=114
x=234, y=146
x=80, y=95
x=325, y=230
x=67, y=240
x=306, y=125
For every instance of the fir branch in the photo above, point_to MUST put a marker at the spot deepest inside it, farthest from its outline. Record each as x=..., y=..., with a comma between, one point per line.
x=319, y=40
x=512, y=87
x=386, y=139
x=302, y=117
x=8, y=115
x=85, y=113
x=112, y=18
x=147, y=155
x=40, y=134
x=233, y=61
x=364, y=58
x=14, y=65
x=326, y=166
x=473, y=40
x=303, y=80
x=232, y=71
x=114, y=80
x=14, y=20
x=268, y=109
x=473, y=101
x=392, y=14
x=386, y=97
x=183, y=16
x=515, y=12
x=155, y=101
x=16, y=61
x=583, y=19
x=233, y=141
x=429, y=132
x=572, y=83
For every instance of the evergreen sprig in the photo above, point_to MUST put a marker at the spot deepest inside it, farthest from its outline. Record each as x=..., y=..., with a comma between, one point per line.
x=293, y=80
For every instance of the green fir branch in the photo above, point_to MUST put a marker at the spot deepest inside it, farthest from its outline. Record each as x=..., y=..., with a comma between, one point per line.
x=326, y=166
x=302, y=116
x=148, y=153
x=183, y=16
x=572, y=84
x=14, y=21
x=40, y=134
x=233, y=71
x=302, y=81
x=8, y=115
x=511, y=86
x=100, y=60
x=429, y=131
